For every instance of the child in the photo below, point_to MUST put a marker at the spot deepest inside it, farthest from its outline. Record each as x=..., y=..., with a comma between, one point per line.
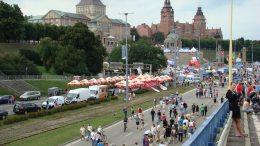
x=222, y=99
x=217, y=93
x=215, y=100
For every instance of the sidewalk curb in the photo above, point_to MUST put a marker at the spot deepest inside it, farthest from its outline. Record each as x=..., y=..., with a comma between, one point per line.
x=246, y=128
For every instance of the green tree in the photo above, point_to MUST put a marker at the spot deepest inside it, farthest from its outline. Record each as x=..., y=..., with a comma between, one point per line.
x=48, y=30
x=31, y=55
x=195, y=43
x=81, y=38
x=40, y=31
x=144, y=37
x=141, y=51
x=47, y=50
x=158, y=37
x=256, y=53
x=70, y=60
x=186, y=42
x=134, y=32
x=30, y=31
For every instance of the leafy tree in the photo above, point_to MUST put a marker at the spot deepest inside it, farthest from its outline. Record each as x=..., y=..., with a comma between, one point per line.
x=158, y=37
x=144, y=37
x=30, y=31
x=186, y=42
x=31, y=55
x=47, y=50
x=141, y=51
x=195, y=43
x=70, y=60
x=81, y=38
x=15, y=64
x=256, y=53
x=40, y=31
x=48, y=30
x=134, y=32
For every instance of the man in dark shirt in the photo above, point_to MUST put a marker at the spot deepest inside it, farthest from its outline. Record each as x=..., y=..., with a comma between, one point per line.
x=185, y=107
x=171, y=122
x=152, y=114
x=125, y=120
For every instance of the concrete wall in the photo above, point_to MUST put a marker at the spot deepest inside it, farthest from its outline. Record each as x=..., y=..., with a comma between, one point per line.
x=184, y=57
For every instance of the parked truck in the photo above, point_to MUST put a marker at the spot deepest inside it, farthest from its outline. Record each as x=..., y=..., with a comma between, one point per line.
x=78, y=95
x=98, y=91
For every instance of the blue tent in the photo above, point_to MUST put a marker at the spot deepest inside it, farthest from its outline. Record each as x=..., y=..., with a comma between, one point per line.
x=204, y=72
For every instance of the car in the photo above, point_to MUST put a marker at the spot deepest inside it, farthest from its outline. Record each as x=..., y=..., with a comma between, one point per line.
x=24, y=108
x=4, y=98
x=3, y=114
x=29, y=95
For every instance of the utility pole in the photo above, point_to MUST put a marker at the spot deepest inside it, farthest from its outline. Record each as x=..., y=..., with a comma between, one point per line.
x=126, y=58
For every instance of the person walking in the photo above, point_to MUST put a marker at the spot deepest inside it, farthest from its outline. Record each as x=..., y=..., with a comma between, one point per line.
x=171, y=122
x=140, y=111
x=180, y=132
x=181, y=108
x=206, y=110
x=89, y=130
x=158, y=131
x=188, y=116
x=197, y=110
x=56, y=102
x=137, y=120
x=93, y=137
x=159, y=115
x=185, y=107
x=215, y=100
x=184, y=129
x=163, y=107
x=125, y=110
x=175, y=112
x=170, y=110
x=13, y=99
x=152, y=114
x=47, y=104
x=161, y=102
x=202, y=109
x=82, y=132
x=173, y=133
x=154, y=102
x=168, y=134
x=190, y=132
x=193, y=108
x=193, y=118
x=153, y=130
x=132, y=113
x=142, y=122
x=233, y=99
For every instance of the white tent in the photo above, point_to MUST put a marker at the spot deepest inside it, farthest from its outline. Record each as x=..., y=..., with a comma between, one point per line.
x=167, y=50
x=181, y=50
x=193, y=50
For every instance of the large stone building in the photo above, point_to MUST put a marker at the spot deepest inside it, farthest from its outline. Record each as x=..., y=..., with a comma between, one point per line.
x=183, y=30
x=93, y=14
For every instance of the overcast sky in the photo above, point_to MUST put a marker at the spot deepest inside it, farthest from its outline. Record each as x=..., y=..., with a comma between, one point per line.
x=246, y=13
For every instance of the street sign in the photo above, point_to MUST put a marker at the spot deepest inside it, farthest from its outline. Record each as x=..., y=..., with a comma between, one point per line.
x=26, y=68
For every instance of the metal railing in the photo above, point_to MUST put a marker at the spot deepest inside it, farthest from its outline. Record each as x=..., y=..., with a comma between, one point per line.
x=10, y=88
x=207, y=132
x=49, y=77
x=224, y=135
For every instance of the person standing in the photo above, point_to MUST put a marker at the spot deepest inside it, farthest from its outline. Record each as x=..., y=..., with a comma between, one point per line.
x=190, y=132
x=175, y=112
x=188, y=116
x=163, y=107
x=215, y=100
x=154, y=102
x=153, y=130
x=171, y=122
x=47, y=104
x=180, y=132
x=233, y=99
x=206, y=110
x=13, y=99
x=161, y=102
x=185, y=107
x=250, y=88
x=158, y=129
x=193, y=118
x=152, y=114
x=217, y=93
x=202, y=110
x=93, y=137
x=167, y=100
x=137, y=120
x=89, y=130
x=159, y=115
x=140, y=111
x=197, y=110
x=57, y=104
x=193, y=108
x=125, y=110
x=82, y=132
x=132, y=113
x=168, y=134
x=170, y=111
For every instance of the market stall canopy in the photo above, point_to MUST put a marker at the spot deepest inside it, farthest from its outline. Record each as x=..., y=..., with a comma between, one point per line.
x=193, y=50
x=167, y=50
x=209, y=71
x=74, y=83
x=181, y=50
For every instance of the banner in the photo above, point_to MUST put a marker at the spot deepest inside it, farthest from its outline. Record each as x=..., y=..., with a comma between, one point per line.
x=162, y=87
x=155, y=89
x=150, y=85
x=123, y=52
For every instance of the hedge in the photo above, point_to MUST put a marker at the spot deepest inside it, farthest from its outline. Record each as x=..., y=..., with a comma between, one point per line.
x=43, y=113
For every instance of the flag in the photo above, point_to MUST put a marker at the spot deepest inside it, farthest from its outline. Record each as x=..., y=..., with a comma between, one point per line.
x=162, y=87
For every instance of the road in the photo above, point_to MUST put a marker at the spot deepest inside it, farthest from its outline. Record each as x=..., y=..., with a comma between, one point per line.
x=116, y=136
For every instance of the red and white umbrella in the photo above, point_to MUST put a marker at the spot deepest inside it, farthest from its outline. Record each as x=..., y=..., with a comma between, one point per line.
x=102, y=80
x=74, y=83
x=84, y=82
x=94, y=81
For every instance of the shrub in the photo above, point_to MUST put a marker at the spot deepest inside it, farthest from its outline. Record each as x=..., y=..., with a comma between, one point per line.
x=72, y=106
x=91, y=102
x=114, y=97
x=84, y=104
x=17, y=119
x=78, y=105
x=45, y=112
x=55, y=110
x=50, y=112
x=102, y=99
x=33, y=115
x=8, y=120
x=41, y=114
x=141, y=91
x=97, y=101
x=106, y=99
x=24, y=117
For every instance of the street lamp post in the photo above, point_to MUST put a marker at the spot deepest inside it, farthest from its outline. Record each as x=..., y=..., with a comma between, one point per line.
x=199, y=57
x=175, y=58
x=216, y=55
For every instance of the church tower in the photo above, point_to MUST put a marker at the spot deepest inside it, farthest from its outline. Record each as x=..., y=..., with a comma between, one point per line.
x=91, y=8
x=200, y=21
x=167, y=18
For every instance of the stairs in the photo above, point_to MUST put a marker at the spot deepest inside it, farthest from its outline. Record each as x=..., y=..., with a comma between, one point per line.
x=17, y=86
x=232, y=139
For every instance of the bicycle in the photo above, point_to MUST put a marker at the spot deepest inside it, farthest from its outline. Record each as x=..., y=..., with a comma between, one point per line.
x=103, y=137
x=124, y=126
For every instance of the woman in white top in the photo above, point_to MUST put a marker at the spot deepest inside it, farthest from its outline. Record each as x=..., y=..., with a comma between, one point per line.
x=246, y=106
x=100, y=129
x=82, y=132
x=153, y=129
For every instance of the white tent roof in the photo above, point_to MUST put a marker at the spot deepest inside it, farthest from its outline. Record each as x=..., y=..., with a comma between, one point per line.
x=193, y=50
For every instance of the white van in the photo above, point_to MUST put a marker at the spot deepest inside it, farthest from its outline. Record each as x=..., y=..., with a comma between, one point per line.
x=61, y=102
x=77, y=95
x=98, y=91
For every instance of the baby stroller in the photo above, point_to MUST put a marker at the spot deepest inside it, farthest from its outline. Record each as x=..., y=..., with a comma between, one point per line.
x=256, y=109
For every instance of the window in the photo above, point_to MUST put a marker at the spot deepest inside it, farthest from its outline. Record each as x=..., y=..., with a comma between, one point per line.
x=51, y=20
x=57, y=24
x=45, y=20
x=57, y=20
x=40, y=21
x=66, y=20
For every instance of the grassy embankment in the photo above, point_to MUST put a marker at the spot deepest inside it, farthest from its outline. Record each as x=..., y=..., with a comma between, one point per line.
x=13, y=47
x=61, y=135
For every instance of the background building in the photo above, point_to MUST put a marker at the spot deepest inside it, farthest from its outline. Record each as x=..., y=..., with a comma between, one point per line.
x=184, y=30
x=93, y=14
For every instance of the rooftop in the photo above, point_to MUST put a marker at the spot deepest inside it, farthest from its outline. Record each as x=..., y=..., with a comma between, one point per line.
x=36, y=17
x=90, y=2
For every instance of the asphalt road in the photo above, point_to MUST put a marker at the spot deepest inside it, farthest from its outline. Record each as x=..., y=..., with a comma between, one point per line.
x=116, y=135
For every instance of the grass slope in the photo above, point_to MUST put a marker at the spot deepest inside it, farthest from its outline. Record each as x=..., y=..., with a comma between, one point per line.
x=4, y=91
x=44, y=72
x=211, y=54
x=13, y=47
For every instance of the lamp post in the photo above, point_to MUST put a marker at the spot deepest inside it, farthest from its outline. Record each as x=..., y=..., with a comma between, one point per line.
x=216, y=54
x=126, y=58
x=199, y=57
x=175, y=58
